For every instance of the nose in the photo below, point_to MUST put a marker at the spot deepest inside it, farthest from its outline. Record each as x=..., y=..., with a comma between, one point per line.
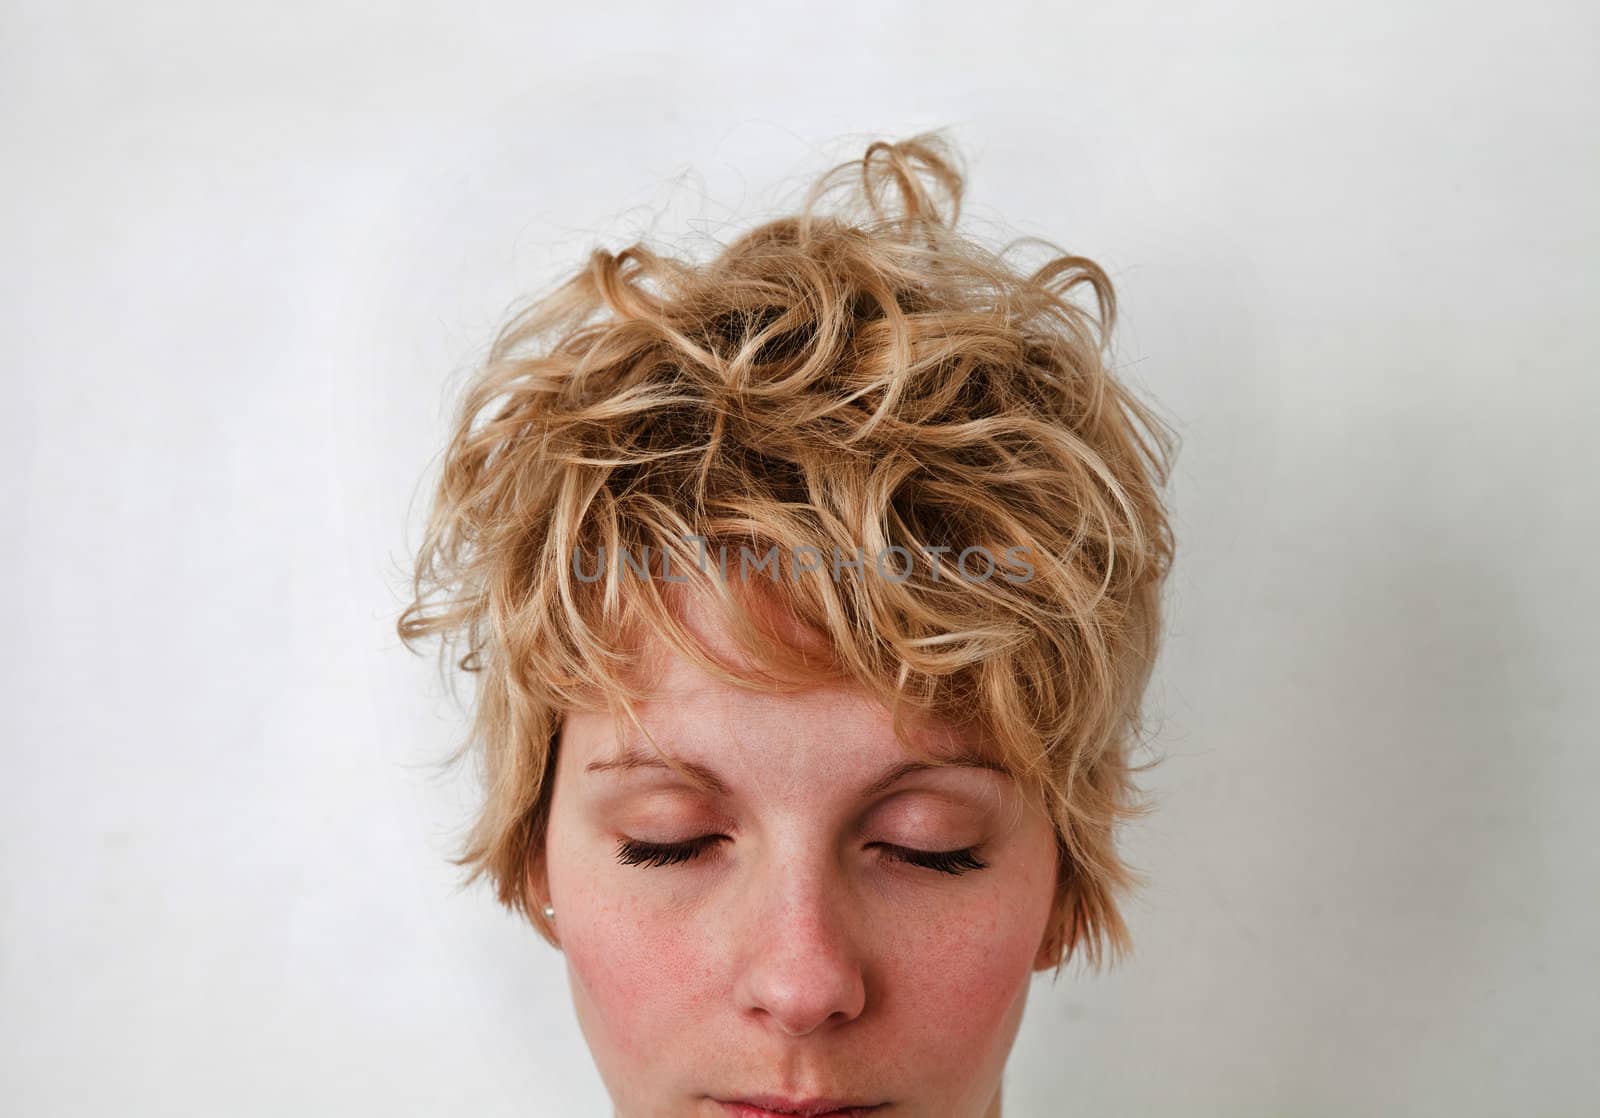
x=802, y=966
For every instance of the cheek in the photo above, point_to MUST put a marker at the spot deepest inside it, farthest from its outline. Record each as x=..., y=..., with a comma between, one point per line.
x=636, y=978
x=630, y=975
x=968, y=977
x=963, y=984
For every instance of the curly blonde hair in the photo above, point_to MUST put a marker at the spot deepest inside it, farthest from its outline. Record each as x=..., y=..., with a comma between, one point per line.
x=856, y=376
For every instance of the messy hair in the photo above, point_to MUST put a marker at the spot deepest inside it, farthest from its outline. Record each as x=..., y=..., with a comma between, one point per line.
x=857, y=378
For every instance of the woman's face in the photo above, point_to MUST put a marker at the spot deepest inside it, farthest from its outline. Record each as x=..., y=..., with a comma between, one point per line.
x=818, y=925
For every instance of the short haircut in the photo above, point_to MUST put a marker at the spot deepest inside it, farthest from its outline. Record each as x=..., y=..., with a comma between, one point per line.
x=859, y=375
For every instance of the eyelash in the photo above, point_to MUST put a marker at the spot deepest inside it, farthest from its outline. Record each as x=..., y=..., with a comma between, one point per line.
x=633, y=853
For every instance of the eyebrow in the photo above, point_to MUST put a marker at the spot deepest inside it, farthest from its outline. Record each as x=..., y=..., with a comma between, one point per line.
x=631, y=758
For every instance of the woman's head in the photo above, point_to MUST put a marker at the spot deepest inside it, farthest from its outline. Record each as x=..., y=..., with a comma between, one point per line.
x=852, y=494
x=798, y=907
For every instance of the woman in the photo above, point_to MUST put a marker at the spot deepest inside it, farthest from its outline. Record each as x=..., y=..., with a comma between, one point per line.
x=812, y=591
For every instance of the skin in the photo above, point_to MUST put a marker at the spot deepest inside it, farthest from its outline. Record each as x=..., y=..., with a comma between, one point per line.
x=795, y=955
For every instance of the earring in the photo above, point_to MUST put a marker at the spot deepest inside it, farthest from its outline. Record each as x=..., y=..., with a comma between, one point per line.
x=549, y=912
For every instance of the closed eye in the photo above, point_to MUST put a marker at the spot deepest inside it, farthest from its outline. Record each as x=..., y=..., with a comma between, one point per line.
x=631, y=852
x=945, y=861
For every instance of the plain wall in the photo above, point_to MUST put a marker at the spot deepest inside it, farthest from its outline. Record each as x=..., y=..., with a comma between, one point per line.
x=252, y=251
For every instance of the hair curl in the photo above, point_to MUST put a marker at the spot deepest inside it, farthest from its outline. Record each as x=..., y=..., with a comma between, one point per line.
x=855, y=376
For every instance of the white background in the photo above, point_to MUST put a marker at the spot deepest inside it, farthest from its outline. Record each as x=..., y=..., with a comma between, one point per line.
x=252, y=249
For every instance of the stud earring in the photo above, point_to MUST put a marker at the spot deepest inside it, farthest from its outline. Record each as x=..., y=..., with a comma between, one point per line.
x=549, y=912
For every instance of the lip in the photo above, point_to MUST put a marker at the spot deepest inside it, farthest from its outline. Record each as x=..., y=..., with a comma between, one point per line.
x=776, y=1106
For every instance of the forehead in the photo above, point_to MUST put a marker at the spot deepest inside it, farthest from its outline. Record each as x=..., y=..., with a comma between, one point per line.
x=700, y=710
x=697, y=716
x=709, y=625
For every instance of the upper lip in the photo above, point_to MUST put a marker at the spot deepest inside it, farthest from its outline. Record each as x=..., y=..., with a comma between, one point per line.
x=808, y=1107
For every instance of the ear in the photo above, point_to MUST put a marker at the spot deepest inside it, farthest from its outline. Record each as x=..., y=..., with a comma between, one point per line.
x=536, y=886
x=1049, y=951
x=1062, y=929
x=536, y=876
